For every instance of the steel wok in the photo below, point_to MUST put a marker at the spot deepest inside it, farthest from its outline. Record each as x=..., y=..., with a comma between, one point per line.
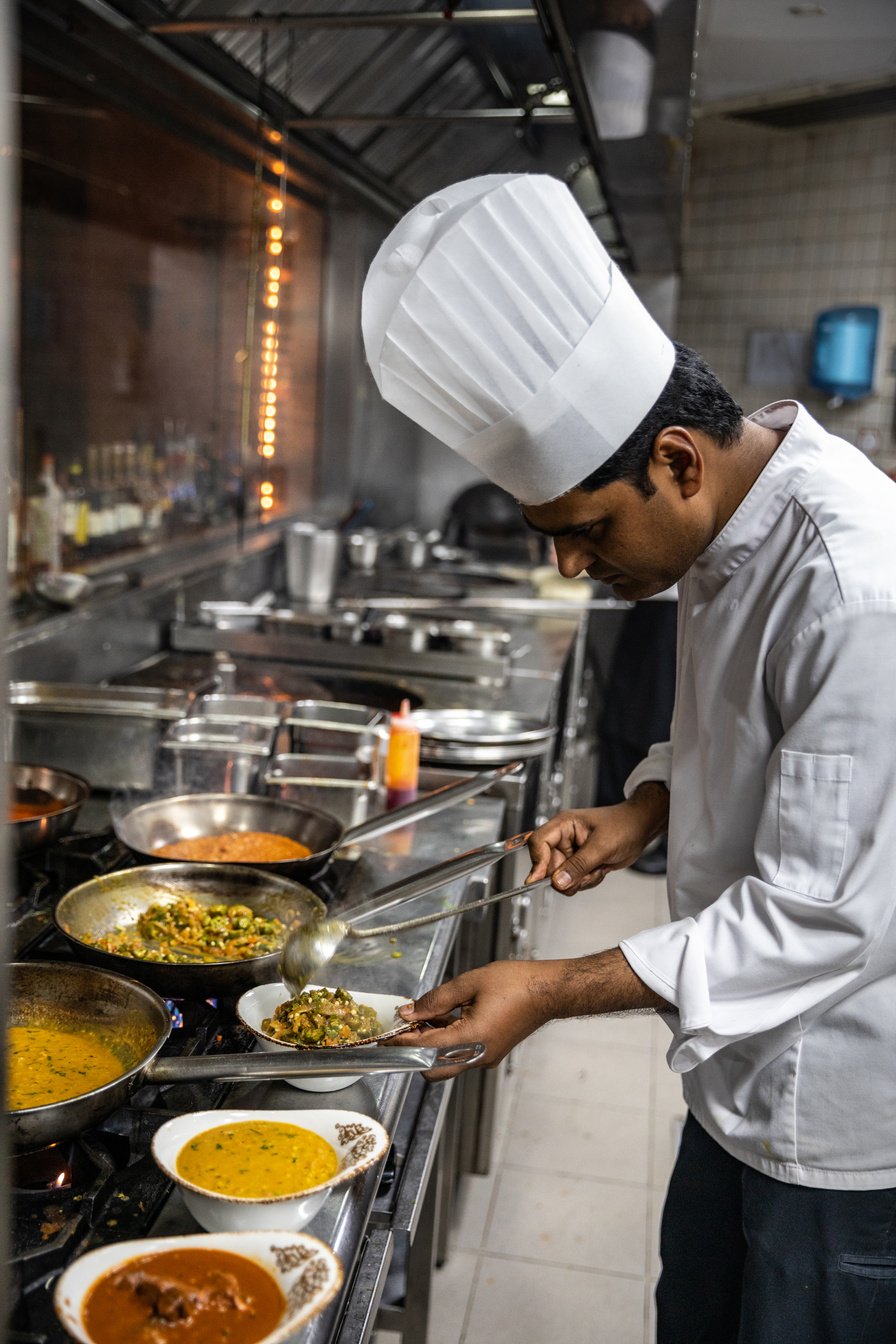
x=115, y=901
x=134, y=1023
x=149, y=826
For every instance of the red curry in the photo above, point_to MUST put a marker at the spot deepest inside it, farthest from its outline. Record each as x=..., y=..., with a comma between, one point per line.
x=193, y=1296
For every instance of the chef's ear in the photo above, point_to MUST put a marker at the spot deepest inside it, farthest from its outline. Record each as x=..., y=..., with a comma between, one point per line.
x=678, y=456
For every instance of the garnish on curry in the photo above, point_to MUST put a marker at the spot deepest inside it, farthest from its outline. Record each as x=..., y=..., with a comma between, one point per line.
x=257, y=1159
x=47, y=1064
x=186, y=931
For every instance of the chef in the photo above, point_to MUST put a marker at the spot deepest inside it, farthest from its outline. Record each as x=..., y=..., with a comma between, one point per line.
x=495, y=319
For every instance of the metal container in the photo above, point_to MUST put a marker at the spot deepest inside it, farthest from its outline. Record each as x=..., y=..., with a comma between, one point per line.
x=344, y=626
x=110, y=734
x=235, y=615
x=344, y=785
x=414, y=548
x=476, y=637
x=362, y=549
x=238, y=709
x=398, y=630
x=312, y=563
x=479, y=737
x=325, y=727
x=210, y=756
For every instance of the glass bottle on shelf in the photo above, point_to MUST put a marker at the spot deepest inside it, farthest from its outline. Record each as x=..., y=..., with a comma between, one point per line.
x=76, y=514
x=108, y=499
x=44, y=521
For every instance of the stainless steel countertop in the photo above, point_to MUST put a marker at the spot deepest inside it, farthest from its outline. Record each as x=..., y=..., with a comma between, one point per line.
x=342, y=1220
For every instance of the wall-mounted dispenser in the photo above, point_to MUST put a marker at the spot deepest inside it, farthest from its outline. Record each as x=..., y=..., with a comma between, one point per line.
x=844, y=347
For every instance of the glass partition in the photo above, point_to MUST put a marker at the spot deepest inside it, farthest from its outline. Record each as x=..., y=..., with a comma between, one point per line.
x=169, y=336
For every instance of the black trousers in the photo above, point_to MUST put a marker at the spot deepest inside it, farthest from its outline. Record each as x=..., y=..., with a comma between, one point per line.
x=640, y=693
x=750, y=1260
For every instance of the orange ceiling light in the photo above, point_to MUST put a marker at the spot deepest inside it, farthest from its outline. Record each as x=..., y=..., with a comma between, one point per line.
x=272, y=284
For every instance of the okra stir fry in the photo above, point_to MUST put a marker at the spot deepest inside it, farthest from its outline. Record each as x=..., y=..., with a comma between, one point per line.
x=322, y=1017
x=187, y=931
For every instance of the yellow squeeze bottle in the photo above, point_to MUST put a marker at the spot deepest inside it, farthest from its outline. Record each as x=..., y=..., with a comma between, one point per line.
x=403, y=758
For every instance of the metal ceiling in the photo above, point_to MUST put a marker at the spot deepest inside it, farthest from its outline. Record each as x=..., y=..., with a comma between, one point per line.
x=399, y=102
x=419, y=100
x=415, y=75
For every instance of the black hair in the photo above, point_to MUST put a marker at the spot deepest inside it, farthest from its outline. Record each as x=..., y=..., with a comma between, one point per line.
x=693, y=398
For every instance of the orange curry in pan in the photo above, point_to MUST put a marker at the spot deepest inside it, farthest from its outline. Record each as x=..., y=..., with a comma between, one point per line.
x=26, y=804
x=235, y=847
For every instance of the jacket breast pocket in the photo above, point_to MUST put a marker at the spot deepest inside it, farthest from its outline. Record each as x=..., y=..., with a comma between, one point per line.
x=813, y=820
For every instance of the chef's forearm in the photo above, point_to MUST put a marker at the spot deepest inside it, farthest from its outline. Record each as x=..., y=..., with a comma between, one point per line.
x=601, y=983
x=651, y=801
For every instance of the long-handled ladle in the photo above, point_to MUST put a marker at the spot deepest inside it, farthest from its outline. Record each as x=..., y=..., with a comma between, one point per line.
x=312, y=946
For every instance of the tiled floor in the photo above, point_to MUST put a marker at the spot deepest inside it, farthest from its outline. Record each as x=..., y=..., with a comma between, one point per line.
x=559, y=1242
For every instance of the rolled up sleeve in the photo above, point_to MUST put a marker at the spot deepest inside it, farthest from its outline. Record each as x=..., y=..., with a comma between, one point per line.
x=806, y=923
x=656, y=766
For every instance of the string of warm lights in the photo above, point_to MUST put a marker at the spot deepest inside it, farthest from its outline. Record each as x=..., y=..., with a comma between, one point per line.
x=270, y=342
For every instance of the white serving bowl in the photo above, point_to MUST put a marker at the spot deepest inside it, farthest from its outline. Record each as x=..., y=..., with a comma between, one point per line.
x=287, y=1256
x=359, y=1143
x=258, y=1003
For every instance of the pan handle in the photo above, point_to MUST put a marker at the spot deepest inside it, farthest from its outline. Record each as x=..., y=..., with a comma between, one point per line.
x=525, y=890
x=429, y=804
x=308, y=1064
x=449, y=870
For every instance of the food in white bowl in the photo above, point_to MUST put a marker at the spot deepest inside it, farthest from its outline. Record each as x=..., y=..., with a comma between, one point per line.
x=251, y=1181
x=258, y=1005
x=261, y=1286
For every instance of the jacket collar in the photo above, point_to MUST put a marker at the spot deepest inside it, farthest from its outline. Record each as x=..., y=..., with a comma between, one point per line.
x=758, y=511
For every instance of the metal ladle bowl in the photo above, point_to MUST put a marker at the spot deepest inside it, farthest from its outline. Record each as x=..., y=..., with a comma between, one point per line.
x=310, y=947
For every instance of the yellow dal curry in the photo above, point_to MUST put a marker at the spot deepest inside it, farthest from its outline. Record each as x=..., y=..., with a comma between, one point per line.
x=257, y=1159
x=47, y=1064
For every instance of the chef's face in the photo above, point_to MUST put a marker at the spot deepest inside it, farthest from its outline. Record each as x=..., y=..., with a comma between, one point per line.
x=638, y=544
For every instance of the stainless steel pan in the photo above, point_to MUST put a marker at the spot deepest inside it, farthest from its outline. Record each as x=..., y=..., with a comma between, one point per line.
x=148, y=826
x=135, y=1024
x=105, y=904
x=67, y=790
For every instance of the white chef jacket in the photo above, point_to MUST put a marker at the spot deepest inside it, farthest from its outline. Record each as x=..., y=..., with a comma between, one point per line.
x=781, y=953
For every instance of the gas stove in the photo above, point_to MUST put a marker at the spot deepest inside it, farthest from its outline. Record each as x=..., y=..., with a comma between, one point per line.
x=104, y=1186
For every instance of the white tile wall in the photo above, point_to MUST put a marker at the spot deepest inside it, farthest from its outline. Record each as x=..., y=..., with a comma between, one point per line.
x=779, y=225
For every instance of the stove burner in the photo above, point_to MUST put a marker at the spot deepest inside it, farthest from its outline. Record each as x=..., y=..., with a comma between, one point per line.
x=43, y=1169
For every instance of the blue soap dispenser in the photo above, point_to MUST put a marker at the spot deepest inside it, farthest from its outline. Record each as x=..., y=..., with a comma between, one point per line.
x=844, y=347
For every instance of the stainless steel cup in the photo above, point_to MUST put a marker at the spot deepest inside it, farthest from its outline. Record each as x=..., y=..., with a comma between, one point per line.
x=312, y=563
x=363, y=548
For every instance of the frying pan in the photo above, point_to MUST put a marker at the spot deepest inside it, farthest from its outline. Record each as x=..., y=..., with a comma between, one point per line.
x=105, y=904
x=69, y=792
x=134, y=1023
x=148, y=826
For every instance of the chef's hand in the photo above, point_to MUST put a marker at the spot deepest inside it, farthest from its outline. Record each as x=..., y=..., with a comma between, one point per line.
x=499, y=1005
x=579, y=848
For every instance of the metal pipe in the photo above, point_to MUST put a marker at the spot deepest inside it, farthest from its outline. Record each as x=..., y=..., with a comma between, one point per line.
x=385, y=18
x=541, y=115
x=558, y=38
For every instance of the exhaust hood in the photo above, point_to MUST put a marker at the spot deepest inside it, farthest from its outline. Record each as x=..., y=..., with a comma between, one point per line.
x=396, y=101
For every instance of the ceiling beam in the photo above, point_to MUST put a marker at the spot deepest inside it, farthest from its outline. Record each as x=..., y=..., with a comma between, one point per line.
x=336, y=121
x=348, y=19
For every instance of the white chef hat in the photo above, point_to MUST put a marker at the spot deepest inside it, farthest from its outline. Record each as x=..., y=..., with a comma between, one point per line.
x=495, y=319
